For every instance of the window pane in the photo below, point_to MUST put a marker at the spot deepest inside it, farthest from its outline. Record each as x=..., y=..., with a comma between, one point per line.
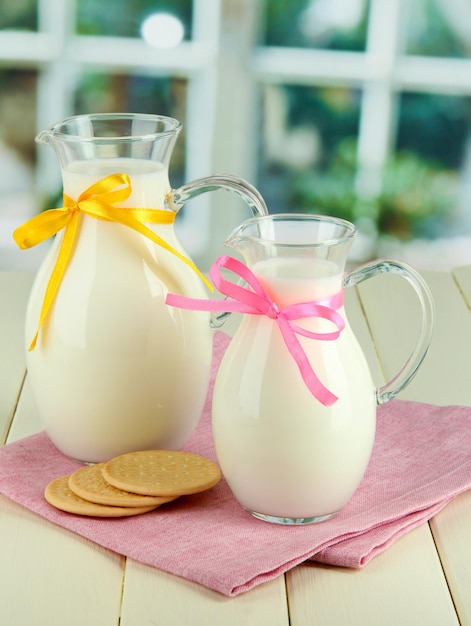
x=124, y=18
x=18, y=158
x=435, y=127
x=19, y=15
x=327, y=24
x=426, y=194
x=439, y=28
x=308, y=149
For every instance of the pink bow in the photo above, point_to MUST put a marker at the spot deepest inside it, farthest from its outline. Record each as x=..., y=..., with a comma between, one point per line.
x=256, y=301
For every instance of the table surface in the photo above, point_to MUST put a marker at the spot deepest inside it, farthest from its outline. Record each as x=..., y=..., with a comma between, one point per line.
x=51, y=577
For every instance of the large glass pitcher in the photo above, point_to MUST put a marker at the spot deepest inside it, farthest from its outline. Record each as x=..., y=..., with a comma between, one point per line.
x=112, y=368
x=294, y=404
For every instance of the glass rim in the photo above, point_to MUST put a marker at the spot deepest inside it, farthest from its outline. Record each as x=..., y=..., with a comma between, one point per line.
x=57, y=130
x=349, y=229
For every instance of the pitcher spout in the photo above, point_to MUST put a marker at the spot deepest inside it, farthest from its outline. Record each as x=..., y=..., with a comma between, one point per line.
x=44, y=136
x=238, y=238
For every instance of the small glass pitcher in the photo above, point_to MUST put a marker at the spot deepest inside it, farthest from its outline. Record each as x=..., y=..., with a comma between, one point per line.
x=112, y=368
x=294, y=405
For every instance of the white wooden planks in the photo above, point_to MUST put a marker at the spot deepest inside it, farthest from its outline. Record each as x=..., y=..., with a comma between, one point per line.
x=51, y=577
x=393, y=317
x=14, y=290
x=444, y=378
x=151, y=596
x=452, y=527
x=403, y=585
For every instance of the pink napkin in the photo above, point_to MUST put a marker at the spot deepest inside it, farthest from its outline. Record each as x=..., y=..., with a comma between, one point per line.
x=421, y=460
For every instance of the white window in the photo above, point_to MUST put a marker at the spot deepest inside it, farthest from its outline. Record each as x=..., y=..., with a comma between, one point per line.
x=323, y=104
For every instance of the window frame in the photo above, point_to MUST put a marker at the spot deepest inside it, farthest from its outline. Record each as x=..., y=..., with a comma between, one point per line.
x=225, y=69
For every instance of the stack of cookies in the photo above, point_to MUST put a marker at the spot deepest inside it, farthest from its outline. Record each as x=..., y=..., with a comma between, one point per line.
x=132, y=483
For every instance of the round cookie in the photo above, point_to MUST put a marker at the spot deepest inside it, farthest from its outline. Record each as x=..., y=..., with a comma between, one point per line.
x=88, y=483
x=161, y=472
x=59, y=494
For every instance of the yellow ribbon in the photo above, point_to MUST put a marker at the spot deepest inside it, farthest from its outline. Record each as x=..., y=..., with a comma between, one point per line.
x=96, y=201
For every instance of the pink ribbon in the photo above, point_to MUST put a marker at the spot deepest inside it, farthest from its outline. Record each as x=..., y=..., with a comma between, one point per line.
x=256, y=301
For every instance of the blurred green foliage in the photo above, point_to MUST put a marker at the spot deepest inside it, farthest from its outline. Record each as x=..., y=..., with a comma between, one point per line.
x=415, y=196
x=282, y=26
x=18, y=15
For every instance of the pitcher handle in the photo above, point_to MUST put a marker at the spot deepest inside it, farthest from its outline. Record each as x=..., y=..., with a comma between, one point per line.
x=176, y=198
x=406, y=374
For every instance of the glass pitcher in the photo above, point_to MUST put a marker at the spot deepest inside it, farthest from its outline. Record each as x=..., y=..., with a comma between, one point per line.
x=294, y=404
x=112, y=368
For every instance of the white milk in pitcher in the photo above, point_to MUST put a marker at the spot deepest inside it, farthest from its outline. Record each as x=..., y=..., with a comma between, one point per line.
x=284, y=454
x=115, y=369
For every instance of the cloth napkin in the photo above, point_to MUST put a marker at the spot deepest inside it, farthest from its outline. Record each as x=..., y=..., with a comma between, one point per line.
x=421, y=460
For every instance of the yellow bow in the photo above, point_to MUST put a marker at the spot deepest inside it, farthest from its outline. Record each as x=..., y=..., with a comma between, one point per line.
x=96, y=201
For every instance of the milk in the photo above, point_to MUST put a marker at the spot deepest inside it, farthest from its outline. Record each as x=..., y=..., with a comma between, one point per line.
x=284, y=455
x=115, y=369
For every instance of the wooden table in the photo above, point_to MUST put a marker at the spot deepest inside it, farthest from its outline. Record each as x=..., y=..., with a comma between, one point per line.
x=50, y=577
